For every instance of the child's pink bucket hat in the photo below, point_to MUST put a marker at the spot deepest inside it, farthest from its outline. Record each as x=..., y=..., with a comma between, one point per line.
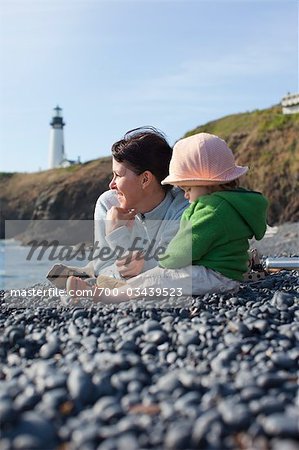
x=202, y=159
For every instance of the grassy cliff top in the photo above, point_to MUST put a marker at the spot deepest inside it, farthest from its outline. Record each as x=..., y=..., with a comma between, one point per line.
x=257, y=121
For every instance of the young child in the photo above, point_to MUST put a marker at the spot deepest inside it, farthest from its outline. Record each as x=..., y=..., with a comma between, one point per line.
x=210, y=251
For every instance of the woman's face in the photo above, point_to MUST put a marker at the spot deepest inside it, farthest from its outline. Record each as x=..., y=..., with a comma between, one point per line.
x=127, y=185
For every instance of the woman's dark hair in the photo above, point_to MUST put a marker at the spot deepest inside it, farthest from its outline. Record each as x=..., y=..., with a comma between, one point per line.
x=142, y=149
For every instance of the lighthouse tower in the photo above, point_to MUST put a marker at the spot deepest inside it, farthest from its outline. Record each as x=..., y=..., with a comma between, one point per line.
x=56, y=148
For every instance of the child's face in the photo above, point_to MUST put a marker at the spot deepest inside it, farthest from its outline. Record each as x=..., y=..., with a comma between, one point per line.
x=193, y=192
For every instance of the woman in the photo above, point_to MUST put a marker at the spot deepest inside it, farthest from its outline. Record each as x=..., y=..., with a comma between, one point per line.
x=138, y=215
x=136, y=219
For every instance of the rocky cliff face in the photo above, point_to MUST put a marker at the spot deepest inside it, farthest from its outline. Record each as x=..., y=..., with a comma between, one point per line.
x=57, y=194
x=265, y=140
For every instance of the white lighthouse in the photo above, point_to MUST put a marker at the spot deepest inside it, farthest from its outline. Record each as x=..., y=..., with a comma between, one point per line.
x=56, y=148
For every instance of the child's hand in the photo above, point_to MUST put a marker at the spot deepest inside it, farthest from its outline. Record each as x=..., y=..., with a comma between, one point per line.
x=131, y=264
x=118, y=217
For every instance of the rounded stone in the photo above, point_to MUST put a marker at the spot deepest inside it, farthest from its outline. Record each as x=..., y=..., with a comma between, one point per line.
x=235, y=414
x=188, y=338
x=284, y=444
x=50, y=349
x=269, y=380
x=283, y=360
x=178, y=436
x=15, y=334
x=156, y=337
x=282, y=300
x=26, y=442
x=202, y=427
x=8, y=413
x=80, y=385
x=282, y=425
x=31, y=423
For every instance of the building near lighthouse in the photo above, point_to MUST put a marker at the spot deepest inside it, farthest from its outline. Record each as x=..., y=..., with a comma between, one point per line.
x=57, y=155
x=290, y=104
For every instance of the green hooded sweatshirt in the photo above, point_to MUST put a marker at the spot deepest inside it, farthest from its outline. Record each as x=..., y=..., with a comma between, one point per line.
x=221, y=224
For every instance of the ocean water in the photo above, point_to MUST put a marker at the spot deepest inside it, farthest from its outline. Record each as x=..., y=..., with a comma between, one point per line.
x=21, y=267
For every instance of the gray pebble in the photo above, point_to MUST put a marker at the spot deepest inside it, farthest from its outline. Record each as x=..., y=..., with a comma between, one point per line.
x=49, y=349
x=168, y=382
x=266, y=405
x=150, y=325
x=251, y=393
x=178, y=436
x=188, y=338
x=269, y=380
x=281, y=425
x=82, y=436
x=282, y=300
x=39, y=428
x=80, y=385
x=27, y=400
x=149, y=349
x=202, y=427
x=236, y=415
x=8, y=413
x=283, y=360
x=27, y=441
x=128, y=441
x=15, y=334
x=79, y=312
x=260, y=325
x=284, y=444
x=156, y=337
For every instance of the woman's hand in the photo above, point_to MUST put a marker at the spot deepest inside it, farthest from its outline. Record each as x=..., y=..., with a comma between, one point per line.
x=131, y=264
x=119, y=217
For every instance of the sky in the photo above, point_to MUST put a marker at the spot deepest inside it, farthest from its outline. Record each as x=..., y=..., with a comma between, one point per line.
x=114, y=65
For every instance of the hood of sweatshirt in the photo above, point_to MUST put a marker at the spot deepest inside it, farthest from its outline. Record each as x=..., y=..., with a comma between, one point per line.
x=252, y=207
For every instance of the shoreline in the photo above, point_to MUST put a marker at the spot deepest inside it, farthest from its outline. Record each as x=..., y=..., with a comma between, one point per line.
x=280, y=240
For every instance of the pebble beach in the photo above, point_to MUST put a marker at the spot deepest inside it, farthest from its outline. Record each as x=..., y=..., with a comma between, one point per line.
x=217, y=372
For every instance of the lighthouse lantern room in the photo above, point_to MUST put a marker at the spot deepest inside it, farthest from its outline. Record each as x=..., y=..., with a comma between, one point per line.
x=56, y=147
